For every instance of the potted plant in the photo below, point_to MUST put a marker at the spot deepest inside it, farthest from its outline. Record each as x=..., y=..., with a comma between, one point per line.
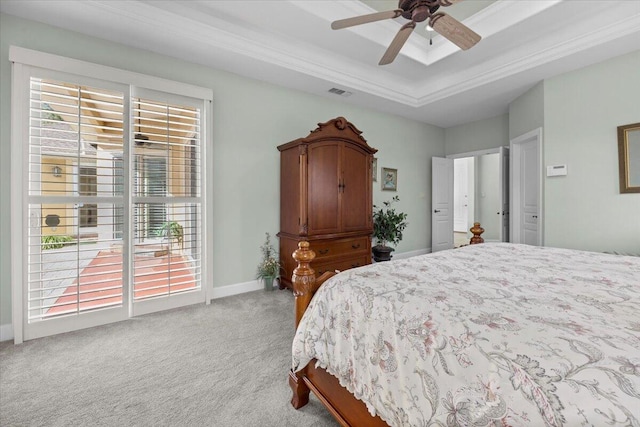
x=172, y=230
x=269, y=267
x=387, y=229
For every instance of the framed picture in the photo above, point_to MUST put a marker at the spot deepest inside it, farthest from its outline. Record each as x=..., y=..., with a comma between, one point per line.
x=629, y=154
x=389, y=179
x=375, y=169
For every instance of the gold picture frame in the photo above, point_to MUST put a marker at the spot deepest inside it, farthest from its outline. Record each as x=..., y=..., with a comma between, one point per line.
x=629, y=157
x=389, y=179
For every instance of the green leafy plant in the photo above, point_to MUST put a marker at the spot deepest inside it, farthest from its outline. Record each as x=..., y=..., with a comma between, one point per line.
x=388, y=224
x=56, y=241
x=171, y=230
x=269, y=267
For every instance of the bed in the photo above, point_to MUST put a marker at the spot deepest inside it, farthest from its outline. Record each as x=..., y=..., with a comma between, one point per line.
x=494, y=334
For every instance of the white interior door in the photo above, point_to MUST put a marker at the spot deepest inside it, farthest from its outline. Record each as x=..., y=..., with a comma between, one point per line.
x=441, y=204
x=529, y=187
x=526, y=188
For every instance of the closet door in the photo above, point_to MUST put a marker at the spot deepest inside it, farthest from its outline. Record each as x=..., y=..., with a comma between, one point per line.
x=323, y=188
x=355, y=194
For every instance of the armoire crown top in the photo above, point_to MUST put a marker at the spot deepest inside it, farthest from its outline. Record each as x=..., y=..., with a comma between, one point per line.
x=335, y=129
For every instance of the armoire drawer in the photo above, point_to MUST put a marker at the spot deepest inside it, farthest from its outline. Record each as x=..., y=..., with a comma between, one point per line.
x=340, y=264
x=342, y=247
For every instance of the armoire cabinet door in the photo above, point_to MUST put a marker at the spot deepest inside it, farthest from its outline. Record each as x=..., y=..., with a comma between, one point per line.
x=356, y=206
x=323, y=187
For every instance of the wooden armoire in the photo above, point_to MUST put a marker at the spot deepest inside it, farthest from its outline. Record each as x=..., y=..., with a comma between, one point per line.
x=326, y=198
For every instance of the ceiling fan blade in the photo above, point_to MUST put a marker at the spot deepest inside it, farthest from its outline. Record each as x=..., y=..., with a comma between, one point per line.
x=454, y=31
x=365, y=19
x=398, y=41
x=448, y=2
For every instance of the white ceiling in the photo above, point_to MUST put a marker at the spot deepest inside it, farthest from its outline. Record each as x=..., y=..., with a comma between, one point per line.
x=290, y=43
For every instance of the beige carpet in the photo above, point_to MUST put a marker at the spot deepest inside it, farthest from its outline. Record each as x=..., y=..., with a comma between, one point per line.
x=224, y=364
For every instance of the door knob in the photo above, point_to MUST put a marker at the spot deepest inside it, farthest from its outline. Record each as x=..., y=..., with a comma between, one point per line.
x=436, y=210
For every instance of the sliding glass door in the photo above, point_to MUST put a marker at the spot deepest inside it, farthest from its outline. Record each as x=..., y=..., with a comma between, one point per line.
x=113, y=200
x=166, y=202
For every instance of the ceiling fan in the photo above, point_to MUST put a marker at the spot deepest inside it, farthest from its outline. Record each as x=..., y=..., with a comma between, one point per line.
x=417, y=11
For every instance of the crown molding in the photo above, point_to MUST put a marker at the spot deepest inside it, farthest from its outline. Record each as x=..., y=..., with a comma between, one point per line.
x=485, y=73
x=262, y=47
x=200, y=24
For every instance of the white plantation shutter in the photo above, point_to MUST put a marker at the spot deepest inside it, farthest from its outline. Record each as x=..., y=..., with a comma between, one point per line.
x=75, y=131
x=76, y=189
x=108, y=212
x=167, y=205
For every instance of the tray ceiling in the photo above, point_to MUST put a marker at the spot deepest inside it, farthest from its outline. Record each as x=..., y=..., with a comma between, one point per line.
x=290, y=43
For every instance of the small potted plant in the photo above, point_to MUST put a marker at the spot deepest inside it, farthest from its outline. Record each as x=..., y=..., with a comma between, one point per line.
x=387, y=229
x=269, y=267
x=172, y=231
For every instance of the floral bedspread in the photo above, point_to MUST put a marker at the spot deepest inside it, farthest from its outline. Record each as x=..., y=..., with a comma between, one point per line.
x=496, y=334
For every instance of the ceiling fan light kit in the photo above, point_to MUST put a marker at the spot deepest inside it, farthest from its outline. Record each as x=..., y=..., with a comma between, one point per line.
x=417, y=11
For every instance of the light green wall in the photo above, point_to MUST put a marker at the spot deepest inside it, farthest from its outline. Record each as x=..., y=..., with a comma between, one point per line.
x=526, y=113
x=582, y=110
x=250, y=118
x=578, y=112
x=479, y=135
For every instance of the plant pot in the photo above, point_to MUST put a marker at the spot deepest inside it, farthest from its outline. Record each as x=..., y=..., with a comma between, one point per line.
x=268, y=283
x=381, y=253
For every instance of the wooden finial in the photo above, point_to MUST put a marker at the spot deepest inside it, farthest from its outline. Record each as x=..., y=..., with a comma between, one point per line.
x=477, y=231
x=303, y=279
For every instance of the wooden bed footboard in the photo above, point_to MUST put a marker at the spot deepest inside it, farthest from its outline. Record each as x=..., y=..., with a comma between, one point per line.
x=345, y=408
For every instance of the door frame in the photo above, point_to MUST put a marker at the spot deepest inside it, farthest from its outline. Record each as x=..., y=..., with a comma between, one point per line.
x=515, y=177
x=497, y=150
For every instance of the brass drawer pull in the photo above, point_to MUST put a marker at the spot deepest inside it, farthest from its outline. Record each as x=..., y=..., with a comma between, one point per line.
x=323, y=251
x=355, y=245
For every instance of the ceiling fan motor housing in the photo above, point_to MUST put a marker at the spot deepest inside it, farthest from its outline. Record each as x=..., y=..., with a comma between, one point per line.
x=418, y=10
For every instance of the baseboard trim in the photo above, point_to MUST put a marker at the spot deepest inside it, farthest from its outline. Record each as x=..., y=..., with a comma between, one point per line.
x=6, y=332
x=238, y=288
x=403, y=255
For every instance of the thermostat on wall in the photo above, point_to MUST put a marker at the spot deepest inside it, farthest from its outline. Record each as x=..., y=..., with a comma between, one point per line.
x=556, y=170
